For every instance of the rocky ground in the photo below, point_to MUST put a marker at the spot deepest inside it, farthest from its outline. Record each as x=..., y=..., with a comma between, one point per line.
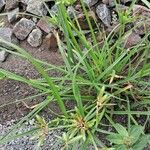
x=27, y=142
x=35, y=35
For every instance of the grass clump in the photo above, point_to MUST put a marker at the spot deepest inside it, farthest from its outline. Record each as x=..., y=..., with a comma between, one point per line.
x=103, y=79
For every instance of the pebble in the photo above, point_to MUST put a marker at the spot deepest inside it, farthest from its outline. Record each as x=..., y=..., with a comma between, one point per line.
x=3, y=55
x=104, y=14
x=35, y=38
x=23, y=28
x=7, y=35
x=2, y=4
x=36, y=7
x=44, y=25
x=25, y=142
x=11, y=4
x=12, y=15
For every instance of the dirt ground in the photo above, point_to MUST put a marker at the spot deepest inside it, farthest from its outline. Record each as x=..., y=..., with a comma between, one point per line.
x=11, y=91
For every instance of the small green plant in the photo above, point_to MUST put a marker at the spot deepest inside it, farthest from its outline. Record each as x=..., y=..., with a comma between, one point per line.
x=134, y=139
x=125, y=17
x=42, y=130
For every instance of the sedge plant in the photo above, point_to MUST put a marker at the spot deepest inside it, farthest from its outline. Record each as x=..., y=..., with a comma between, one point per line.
x=101, y=81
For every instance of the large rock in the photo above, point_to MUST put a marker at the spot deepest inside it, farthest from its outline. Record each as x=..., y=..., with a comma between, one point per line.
x=2, y=4
x=90, y=3
x=7, y=35
x=36, y=7
x=35, y=38
x=104, y=14
x=23, y=28
x=11, y=4
x=45, y=25
x=12, y=15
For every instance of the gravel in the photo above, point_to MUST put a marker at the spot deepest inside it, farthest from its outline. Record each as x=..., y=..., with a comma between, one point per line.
x=26, y=143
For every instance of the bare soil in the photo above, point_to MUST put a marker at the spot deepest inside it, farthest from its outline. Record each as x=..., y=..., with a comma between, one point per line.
x=11, y=91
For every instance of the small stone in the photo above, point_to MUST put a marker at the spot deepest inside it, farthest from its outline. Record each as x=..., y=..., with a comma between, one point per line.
x=7, y=35
x=23, y=28
x=132, y=39
x=12, y=15
x=50, y=42
x=36, y=7
x=35, y=38
x=11, y=4
x=90, y=3
x=104, y=14
x=3, y=55
x=2, y=4
x=44, y=25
